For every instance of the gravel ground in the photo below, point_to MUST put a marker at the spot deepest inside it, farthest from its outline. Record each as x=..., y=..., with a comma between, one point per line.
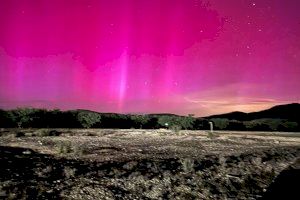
x=147, y=164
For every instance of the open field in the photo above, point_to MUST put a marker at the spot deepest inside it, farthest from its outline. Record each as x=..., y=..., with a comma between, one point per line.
x=147, y=164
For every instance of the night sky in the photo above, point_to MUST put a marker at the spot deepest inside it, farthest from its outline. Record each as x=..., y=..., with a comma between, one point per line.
x=150, y=56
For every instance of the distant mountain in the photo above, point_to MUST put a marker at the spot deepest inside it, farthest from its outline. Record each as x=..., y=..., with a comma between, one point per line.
x=232, y=115
x=288, y=111
x=163, y=114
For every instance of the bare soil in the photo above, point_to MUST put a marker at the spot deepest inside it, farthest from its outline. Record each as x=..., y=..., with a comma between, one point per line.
x=148, y=164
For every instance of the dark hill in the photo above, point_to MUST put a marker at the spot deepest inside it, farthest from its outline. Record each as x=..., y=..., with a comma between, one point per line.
x=288, y=111
x=232, y=115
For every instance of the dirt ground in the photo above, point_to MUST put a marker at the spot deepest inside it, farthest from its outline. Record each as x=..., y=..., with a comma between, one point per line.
x=148, y=164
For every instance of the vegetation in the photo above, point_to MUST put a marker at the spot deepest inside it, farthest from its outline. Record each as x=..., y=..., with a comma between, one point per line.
x=41, y=118
x=65, y=147
x=88, y=119
x=140, y=120
x=22, y=116
x=176, y=123
x=220, y=124
x=47, y=132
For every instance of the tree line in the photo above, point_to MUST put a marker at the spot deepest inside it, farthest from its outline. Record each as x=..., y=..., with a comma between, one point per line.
x=42, y=118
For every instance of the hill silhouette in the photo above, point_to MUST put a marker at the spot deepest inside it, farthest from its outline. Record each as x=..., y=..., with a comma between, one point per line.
x=287, y=111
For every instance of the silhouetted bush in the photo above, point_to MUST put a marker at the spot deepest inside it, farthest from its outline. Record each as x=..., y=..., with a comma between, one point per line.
x=41, y=118
x=220, y=123
x=288, y=126
x=176, y=122
x=139, y=120
x=88, y=119
x=236, y=125
x=201, y=124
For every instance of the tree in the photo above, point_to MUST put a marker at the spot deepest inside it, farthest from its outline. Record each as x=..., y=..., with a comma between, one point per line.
x=6, y=119
x=22, y=116
x=201, y=124
x=88, y=119
x=187, y=122
x=288, y=126
x=236, y=125
x=140, y=120
x=164, y=121
x=258, y=125
x=176, y=123
x=220, y=123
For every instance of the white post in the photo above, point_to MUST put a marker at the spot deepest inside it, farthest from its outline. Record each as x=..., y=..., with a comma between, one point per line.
x=211, y=127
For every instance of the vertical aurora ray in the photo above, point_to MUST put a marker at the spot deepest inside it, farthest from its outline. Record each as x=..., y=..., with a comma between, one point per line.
x=122, y=80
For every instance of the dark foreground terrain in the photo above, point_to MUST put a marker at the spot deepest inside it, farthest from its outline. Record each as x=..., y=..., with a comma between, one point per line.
x=152, y=164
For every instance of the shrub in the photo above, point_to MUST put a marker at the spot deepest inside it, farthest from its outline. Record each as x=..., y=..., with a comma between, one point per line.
x=187, y=165
x=69, y=172
x=175, y=128
x=176, y=123
x=88, y=119
x=140, y=120
x=236, y=125
x=261, y=125
x=220, y=123
x=186, y=122
x=288, y=126
x=49, y=133
x=65, y=147
x=81, y=150
x=22, y=116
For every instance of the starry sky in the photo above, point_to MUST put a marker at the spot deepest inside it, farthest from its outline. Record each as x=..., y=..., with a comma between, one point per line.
x=161, y=56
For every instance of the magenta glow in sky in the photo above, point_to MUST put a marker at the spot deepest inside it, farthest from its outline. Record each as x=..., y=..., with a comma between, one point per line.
x=139, y=56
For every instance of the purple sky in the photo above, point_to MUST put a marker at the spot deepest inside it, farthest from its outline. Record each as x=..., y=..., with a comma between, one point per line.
x=140, y=56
